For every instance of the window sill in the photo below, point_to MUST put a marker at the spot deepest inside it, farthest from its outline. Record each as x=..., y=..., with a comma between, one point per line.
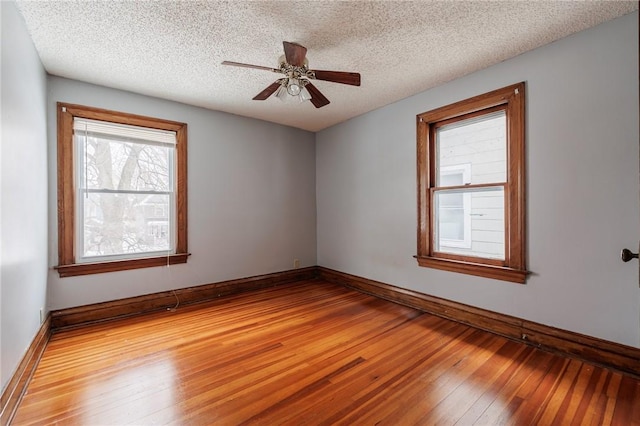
x=487, y=271
x=119, y=265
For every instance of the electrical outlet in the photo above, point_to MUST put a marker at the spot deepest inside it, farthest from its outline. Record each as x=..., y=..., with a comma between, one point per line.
x=296, y=263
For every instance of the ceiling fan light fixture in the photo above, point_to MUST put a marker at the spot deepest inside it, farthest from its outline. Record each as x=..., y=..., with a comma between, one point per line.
x=294, y=87
x=281, y=93
x=304, y=94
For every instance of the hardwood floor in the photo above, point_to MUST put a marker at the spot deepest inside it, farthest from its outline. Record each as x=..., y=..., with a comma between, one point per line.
x=312, y=353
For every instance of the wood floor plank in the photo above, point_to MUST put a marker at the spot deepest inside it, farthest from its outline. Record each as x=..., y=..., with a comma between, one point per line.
x=492, y=388
x=486, y=377
x=312, y=353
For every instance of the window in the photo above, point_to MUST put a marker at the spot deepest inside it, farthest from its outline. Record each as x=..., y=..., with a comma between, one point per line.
x=454, y=209
x=122, y=191
x=471, y=186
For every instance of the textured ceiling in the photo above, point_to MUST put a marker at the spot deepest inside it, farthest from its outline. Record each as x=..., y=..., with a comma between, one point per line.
x=173, y=49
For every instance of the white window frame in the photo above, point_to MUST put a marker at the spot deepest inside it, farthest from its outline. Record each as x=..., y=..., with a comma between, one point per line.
x=465, y=170
x=82, y=191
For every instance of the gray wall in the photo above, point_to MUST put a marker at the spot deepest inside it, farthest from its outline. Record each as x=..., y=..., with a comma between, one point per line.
x=23, y=192
x=582, y=171
x=251, y=198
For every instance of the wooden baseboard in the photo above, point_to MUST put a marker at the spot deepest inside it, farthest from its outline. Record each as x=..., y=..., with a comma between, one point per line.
x=18, y=383
x=89, y=314
x=590, y=349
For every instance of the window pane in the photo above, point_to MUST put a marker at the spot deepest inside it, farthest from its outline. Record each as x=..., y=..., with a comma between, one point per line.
x=117, y=224
x=451, y=179
x=113, y=164
x=451, y=200
x=482, y=223
x=479, y=143
x=451, y=222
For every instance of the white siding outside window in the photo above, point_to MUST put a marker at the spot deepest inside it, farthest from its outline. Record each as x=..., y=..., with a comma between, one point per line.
x=474, y=150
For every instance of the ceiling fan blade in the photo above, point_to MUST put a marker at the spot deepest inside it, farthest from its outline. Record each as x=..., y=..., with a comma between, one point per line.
x=351, y=78
x=258, y=67
x=294, y=53
x=267, y=92
x=317, y=99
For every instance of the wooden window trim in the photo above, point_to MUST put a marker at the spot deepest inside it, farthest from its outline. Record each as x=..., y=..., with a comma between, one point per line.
x=513, y=268
x=67, y=265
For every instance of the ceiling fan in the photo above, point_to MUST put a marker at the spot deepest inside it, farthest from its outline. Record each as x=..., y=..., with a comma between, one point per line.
x=294, y=65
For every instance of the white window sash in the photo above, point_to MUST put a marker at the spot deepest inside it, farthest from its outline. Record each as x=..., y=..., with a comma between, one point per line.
x=125, y=133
